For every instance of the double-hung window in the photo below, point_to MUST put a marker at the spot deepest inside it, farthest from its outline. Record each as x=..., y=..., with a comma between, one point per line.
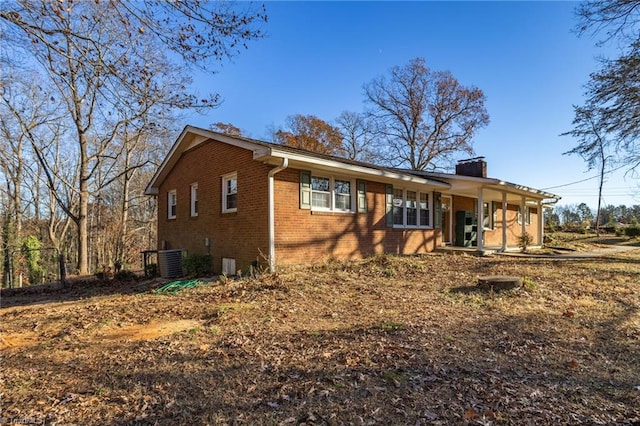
x=342, y=195
x=398, y=207
x=527, y=215
x=172, y=202
x=194, y=199
x=328, y=193
x=320, y=192
x=410, y=208
x=424, y=209
x=230, y=193
x=490, y=215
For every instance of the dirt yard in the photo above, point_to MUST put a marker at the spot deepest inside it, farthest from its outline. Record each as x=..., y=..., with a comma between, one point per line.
x=386, y=340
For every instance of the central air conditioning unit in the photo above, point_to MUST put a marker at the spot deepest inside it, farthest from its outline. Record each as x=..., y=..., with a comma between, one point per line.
x=170, y=263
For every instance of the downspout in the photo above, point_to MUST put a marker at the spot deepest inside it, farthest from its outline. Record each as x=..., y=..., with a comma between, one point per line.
x=272, y=214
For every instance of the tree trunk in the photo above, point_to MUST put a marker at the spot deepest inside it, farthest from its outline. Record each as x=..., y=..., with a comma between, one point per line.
x=37, y=195
x=83, y=240
x=603, y=159
x=17, y=194
x=83, y=209
x=124, y=217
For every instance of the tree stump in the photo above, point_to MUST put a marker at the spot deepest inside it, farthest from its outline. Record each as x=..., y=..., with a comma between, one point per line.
x=498, y=283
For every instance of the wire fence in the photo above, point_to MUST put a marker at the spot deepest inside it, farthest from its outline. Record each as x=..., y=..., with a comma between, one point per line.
x=26, y=267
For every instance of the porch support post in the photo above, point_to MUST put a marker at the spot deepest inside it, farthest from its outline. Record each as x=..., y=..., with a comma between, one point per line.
x=504, y=221
x=480, y=225
x=540, y=224
x=523, y=206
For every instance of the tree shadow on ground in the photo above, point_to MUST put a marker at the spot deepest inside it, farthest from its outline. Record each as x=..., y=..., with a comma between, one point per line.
x=76, y=289
x=515, y=370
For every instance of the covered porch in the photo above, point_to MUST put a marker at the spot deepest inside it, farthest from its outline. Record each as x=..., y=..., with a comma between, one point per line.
x=484, y=214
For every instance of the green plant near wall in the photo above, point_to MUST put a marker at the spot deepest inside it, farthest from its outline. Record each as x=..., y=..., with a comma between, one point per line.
x=197, y=264
x=525, y=241
x=31, y=251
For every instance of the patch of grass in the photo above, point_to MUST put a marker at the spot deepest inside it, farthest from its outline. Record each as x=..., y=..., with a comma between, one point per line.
x=471, y=297
x=391, y=326
x=395, y=377
x=529, y=284
x=100, y=391
x=214, y=330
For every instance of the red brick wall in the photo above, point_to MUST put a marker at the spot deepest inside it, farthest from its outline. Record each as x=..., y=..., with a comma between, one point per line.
x=241, y=235
x=304, y=236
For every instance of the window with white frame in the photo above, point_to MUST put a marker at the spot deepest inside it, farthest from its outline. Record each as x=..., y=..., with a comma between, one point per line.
x=527, y=215
x=172, y=202
x=342, y=195
x=194, y=199
x=329, y=193
x=490, y=215
x=411, y=208
x=424, y=209
x=398, y=207
x=320, y=192
x=230, y=193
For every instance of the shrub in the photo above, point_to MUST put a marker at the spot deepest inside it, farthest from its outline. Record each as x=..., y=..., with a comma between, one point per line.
x=103, y=273
x=31, y=247
x=151, y=270
x=125, y=275
x=524, y=241
x=632, y=231
x=197, y=264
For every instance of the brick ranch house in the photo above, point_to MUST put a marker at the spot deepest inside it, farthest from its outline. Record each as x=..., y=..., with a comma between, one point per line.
x=244, y=200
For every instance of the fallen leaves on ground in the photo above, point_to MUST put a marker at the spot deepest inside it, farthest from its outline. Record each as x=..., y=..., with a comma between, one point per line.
x=385, y=340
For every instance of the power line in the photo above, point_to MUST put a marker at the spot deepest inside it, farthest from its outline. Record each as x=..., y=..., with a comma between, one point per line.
x=583, y=180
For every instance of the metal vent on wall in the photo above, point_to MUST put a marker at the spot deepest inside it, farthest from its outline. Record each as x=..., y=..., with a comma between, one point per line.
x=228, y=266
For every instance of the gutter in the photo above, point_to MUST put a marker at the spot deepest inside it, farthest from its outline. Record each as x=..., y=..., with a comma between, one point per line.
x=272, y=215
x=380, y=174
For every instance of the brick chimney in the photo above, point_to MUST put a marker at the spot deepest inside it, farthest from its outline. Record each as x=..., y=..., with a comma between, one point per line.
x=475, y=167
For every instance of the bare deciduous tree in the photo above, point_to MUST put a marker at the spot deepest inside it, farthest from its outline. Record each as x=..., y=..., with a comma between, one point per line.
x=617, y=18
x=358, y=136
x=592, y=146
x=425, y=116
x=97, y=54
x=609, y=119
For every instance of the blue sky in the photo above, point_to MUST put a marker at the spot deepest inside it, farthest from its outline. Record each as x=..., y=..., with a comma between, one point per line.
x=523, y=55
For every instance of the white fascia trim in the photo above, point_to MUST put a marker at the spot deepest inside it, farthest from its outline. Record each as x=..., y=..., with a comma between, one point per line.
x=464, y=178
x=208, y=134
x=384, y=174
x=151, y=188
x=180, y=146
x=526, y=190
x=488, y=182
